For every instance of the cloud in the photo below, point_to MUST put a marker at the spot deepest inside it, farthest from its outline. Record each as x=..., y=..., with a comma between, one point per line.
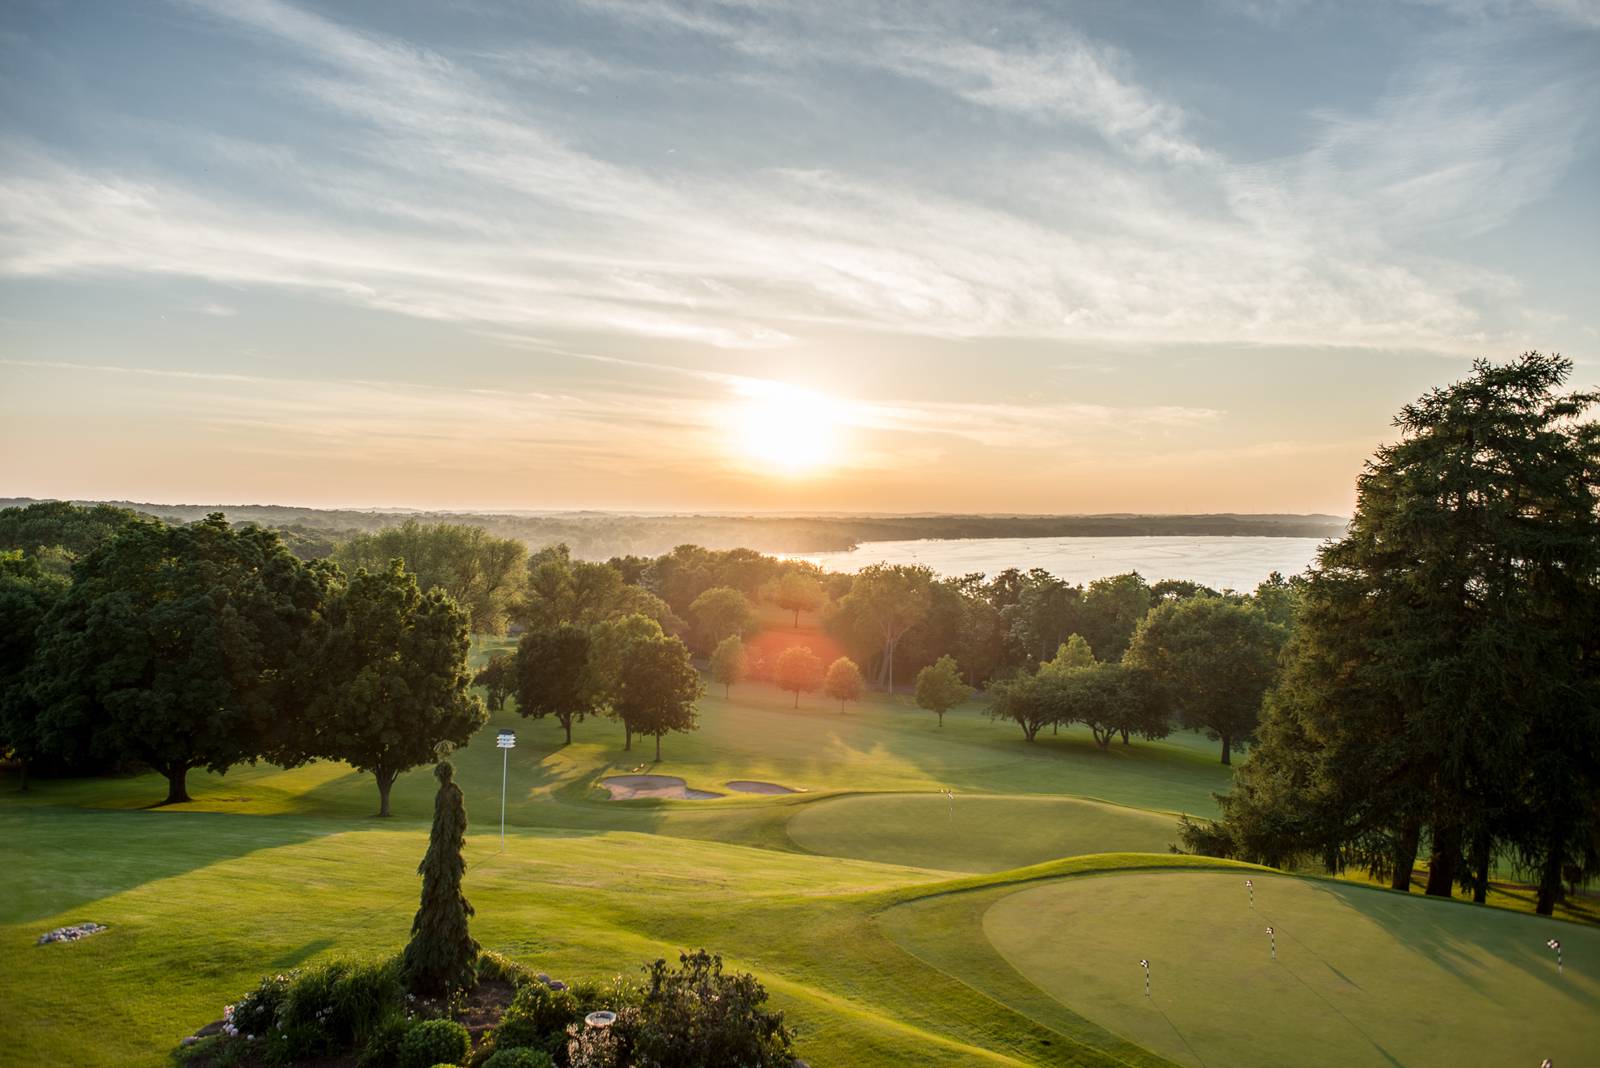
x=453, y=199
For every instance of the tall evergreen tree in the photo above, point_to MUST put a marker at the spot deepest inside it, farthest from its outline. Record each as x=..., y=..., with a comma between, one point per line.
x=442, y=953
x=1443, y=687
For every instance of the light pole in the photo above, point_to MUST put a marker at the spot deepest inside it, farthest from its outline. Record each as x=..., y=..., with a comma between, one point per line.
x=505, y=741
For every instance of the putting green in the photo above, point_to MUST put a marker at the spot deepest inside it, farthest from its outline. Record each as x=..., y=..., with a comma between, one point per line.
x=973, y=832
x=1363, y=977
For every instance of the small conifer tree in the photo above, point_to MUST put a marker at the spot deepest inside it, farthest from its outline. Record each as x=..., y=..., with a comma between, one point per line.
x=442, y=953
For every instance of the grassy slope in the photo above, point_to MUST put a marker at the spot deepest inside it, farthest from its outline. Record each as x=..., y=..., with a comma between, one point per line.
x=270, y=868
x=1363, y=977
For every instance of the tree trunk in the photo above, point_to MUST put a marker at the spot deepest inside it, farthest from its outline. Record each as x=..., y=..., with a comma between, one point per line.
x=177, y=783
x=658, y=749
x=1227, y=749
x=797, y=619
x=941, y=717
x=1405, y=857
x=1028, y=732
x=1055, y=726
x=797, y=699
x=385, y=784
x=1442, y=862
x=1550, y=880
x=627, y=737
x=1124, y=736
x=566, y=725
x=727, y=690
x=1480, y=868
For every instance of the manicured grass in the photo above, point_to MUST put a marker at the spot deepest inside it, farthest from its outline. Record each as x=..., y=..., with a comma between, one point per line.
x=1362, y=977
x=974, y=832
x=831, y=896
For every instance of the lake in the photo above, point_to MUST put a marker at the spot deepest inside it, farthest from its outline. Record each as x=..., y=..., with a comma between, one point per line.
x=1220, y=562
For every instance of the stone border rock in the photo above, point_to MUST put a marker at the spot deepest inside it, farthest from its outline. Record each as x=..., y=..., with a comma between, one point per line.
x=76, y=933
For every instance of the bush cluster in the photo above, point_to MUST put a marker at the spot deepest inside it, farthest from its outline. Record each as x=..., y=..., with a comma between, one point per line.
x=434, y=1042
x=684, y=1016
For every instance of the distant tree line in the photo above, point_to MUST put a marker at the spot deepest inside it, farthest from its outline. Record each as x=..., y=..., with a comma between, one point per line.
x=310, y=532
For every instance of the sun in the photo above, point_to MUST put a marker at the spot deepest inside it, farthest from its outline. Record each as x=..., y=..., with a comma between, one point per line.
x=780, y=428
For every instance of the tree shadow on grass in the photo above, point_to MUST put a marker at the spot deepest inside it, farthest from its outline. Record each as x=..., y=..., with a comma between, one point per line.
x=296, y=957
x=1457, y=935
x=60, y=859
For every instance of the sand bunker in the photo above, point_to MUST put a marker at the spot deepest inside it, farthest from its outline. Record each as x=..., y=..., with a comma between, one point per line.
x=627, y=787
x=754, y=786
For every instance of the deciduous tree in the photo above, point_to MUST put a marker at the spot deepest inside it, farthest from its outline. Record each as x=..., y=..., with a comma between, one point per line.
x=843, y=681
x=1029, y=701
x=480, y=572
x=27, y=593
x=659, y=688
x=1112, y=608
x=940, y=687
x=799, y=671
x=1215, y=658
x=720, y=613
x=1074, y=653
x=892, y=598
x=499, y=679
x=728, y=663
x=179, y=647
x=555, y=676
x=798, y=591
x=391, y=685
x=611, y=640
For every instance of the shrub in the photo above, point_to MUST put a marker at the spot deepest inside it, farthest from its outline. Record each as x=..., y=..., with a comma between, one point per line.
x=339, y=1005
x=257, y=1012
x=517, y=1031
x=550, y=1011
x=521, y=1057
x=431, y=1042
x=496, y=967
x=695, y=1015
x=382, y=1049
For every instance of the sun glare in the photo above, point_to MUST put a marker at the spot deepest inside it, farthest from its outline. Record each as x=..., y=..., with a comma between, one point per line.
x=785, y=429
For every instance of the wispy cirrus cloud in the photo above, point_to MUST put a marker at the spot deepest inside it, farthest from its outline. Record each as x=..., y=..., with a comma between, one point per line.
x=452, y=199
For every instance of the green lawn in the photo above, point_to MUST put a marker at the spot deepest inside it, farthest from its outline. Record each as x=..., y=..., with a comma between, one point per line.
x=1363, y=977
x=974, y=832
x=861, y=903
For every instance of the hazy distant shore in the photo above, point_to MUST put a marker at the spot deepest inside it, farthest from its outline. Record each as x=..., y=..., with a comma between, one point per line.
x=600, y=535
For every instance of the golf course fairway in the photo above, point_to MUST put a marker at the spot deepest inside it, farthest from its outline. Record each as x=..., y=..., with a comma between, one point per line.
x=973, y=833
x=893, y=923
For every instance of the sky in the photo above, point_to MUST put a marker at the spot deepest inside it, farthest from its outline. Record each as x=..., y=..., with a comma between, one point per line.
x=863, y=255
